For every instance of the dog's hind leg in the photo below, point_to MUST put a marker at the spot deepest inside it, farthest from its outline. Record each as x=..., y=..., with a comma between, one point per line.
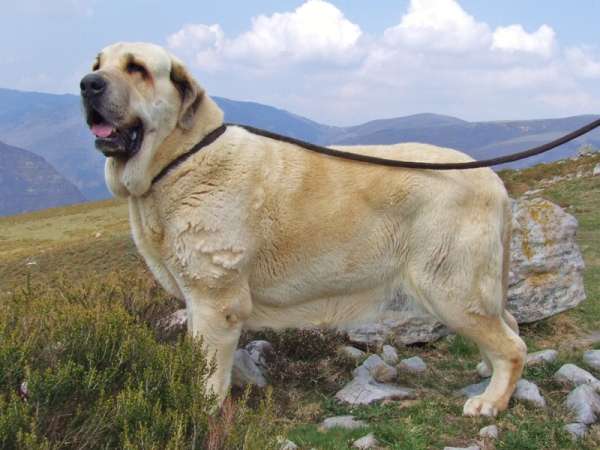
x=505, y=351
x=485, y=366
x=463, y=286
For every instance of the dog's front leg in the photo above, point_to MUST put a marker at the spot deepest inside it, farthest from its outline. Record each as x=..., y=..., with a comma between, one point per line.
x=217, y=316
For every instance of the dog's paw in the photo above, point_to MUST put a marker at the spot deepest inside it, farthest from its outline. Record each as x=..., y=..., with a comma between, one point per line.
x=484, y=370
x=479, y=406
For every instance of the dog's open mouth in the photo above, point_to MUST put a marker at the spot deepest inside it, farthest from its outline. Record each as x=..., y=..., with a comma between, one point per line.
x=119, y=142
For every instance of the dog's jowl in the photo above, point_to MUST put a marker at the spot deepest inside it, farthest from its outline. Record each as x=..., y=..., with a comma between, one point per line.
x=252, y=232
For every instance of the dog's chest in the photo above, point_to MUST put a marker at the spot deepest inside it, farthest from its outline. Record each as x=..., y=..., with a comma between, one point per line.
x=189, y=241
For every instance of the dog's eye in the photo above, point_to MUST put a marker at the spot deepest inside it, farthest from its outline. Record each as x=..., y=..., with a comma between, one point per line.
x=136, y=68
x=96, y=66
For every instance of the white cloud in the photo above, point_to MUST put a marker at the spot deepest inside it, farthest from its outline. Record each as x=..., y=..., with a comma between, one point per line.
x=439, y=25
x=514, y=39
x=316, y=32
x=315, y=62
x=582, y=62
x=200, y=42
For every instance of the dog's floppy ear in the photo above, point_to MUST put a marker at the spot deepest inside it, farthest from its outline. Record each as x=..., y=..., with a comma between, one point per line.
x=191, y=94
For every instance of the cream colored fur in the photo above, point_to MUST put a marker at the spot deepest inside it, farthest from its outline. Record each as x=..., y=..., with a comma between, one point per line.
x=251, y=232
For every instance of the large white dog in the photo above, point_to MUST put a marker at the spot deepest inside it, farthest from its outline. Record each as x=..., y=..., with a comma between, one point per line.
x=252, y=232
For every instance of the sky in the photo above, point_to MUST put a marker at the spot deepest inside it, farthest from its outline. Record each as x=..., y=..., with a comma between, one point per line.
x=335, y=62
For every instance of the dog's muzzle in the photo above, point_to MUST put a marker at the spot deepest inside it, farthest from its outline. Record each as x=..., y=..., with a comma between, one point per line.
x=112, y=138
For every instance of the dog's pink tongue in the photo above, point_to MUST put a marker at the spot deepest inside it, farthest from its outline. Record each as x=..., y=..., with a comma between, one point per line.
x=102, y=130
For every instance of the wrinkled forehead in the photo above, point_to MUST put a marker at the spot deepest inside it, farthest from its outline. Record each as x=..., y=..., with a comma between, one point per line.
x=152, y=57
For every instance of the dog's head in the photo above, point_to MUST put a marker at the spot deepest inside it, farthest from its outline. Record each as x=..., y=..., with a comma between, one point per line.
x=136, y=96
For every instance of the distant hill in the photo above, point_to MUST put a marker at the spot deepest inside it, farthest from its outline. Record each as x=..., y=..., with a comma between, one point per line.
x=29, y=183
x=483, y=140
x=339, y=136
x=52, y=126
x=272, y=119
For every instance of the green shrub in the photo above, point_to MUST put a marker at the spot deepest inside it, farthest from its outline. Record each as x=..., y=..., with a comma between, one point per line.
x=81, y=367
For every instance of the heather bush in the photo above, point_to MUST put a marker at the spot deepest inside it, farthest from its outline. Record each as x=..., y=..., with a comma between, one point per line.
x=81, y=366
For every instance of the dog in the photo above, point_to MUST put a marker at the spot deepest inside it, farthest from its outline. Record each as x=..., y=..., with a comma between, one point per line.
x=252, y=232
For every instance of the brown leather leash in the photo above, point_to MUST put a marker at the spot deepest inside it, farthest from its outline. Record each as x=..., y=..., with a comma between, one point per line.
x=215, y=134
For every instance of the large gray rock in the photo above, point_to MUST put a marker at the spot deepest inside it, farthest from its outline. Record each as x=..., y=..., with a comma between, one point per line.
x=546, y=264
x=546, y=278
x=406, y=327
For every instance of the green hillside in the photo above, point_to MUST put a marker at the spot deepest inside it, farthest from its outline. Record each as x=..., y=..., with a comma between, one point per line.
x=70, y=279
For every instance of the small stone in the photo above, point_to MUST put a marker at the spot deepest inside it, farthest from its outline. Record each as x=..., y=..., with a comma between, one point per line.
x=583, y=150
x=23, y=391
x=526, y=390
x=585, y=403
x=342, y=422
x=490, y=432
x=352, y=352
x=591, y=338
x=414, y=364
x=472, y=447
x=365, y=390
x=592, y=359
x=540, y=357
x=389, y=354
x=244, y=370
x=483, y=370
x=528, y=193
x=570, y=373
x=365, y=442
x=288, y=445
x=577, y=430
x=379, y=369
x=258, y=350
x=475, y=389
x=175, y=320
x=596, y=170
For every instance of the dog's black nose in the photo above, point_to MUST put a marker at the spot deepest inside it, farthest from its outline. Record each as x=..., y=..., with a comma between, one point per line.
x=91, y=85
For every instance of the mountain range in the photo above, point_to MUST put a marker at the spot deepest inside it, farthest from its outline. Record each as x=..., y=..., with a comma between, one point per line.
x=52, y=127
x=28, y=183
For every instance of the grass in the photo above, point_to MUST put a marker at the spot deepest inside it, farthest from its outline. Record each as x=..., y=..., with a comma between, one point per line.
x=89, y=302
